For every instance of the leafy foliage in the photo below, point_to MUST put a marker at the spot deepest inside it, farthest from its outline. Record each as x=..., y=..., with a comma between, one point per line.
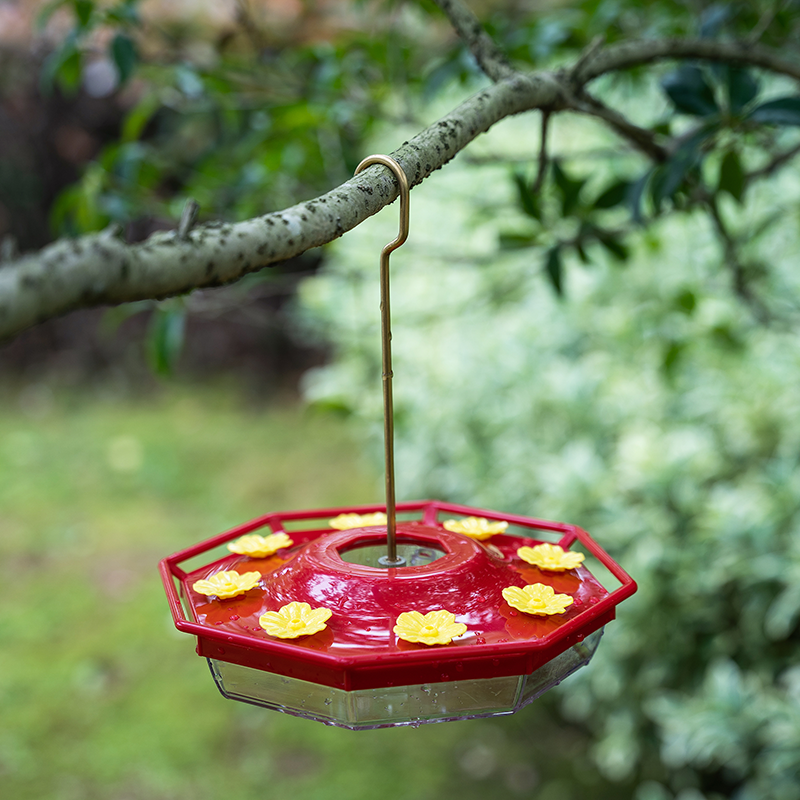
x=64, y=66
x=689, y=91
x=649, y=408
x=258, y=125
x=646, y=403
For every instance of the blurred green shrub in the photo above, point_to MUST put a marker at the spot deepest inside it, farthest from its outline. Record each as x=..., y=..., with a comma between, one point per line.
x=647, y=406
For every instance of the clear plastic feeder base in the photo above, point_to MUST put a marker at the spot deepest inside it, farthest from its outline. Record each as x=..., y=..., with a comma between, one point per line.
x=399, y=705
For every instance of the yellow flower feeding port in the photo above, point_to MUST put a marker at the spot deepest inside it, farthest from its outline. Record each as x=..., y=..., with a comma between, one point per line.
x=550, y=557
x=257, y=546
x=227, y=584
x=435, y=627
x=293, y=620
x=537, y=598
x=393, y=614
x=475, y=527
x=346, y=522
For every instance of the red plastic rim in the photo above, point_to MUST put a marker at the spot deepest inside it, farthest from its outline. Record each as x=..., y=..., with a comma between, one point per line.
x=358, y=649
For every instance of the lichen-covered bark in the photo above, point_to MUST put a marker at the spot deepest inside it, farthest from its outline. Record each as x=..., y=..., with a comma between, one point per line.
x=101, y=269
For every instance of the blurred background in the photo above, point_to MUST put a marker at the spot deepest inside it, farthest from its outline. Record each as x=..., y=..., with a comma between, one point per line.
x=560, y=353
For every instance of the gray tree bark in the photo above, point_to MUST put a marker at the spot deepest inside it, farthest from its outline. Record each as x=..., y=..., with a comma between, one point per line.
x=101, y=269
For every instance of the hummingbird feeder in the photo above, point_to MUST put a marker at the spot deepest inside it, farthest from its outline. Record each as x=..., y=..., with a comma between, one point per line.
x=396, y=614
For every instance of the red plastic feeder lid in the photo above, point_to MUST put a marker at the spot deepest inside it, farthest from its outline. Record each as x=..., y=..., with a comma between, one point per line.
x=358, y=648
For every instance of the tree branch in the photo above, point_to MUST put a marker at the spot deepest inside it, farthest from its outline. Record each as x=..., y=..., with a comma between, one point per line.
x=100, y=269
x=636, y=53
x=641, y=138
x=188, y=218
x=594, y=46
x=490, y=58
x=734, y=263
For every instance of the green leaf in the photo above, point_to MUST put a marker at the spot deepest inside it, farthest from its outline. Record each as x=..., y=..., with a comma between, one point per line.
x=614, y=195
x=527, y=200
x=658, y=186
x=336, y=406
x=509, y=240
x=783, y=613
x=669, y=177
x=742, y=88
x=83, y=11
x=139, y=116
x=62, y=67
x=555, y=269
x=69, y=72
x=686, y=301
x=124, y=55
x=613, y=243
x=447, y=71
x=165, y=335
x=125, y=13
x=731, y=176
x=725, y=337
x=568, y=188
x=114, y=317
x=672, y=355
x=582, y=254
x=635, y=195
x=690, y=92
x=781, y=111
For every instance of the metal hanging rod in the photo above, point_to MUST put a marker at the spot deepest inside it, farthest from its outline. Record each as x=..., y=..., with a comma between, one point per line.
x=391, y=559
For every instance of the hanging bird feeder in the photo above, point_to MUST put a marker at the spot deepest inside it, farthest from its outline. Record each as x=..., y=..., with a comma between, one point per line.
x=395, y=614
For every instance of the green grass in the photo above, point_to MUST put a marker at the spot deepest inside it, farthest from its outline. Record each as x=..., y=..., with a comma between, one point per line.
x=101, y=698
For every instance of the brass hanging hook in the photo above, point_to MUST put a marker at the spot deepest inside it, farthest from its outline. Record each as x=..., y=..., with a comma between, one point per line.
x=391, y=559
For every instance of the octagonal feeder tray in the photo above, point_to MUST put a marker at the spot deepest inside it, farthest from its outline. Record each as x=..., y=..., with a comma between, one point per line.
x=357, y=672
x=459, y=619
